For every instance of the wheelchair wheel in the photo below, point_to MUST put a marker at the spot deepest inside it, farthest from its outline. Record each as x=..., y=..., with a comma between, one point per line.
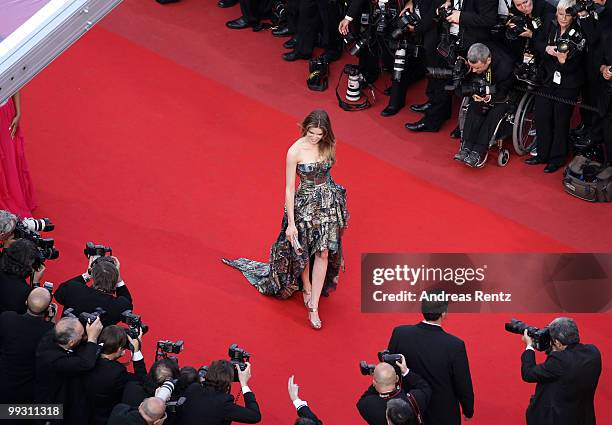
x=503, y=157
x=523, y=130
x=465, y=103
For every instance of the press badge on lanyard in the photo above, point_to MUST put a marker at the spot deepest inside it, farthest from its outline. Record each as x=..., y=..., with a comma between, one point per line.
x=557, y=77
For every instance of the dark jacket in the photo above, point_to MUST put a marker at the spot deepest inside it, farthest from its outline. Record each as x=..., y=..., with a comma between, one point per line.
x=373, y=408
x=75, y=294
x=14, y=291
x=542, y=11
x=566, y=384
x=204, y=406
x=105, y=384
x=573, y=70
x=19, y=337
x=605, y=100
x=306, y=412
x=124, y=414
x=440, y=359
x=476, y=20
x=60, y=374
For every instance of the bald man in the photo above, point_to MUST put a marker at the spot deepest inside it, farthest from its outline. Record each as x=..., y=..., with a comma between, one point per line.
x=387, y=385
x=19, y=337
x=152, y=411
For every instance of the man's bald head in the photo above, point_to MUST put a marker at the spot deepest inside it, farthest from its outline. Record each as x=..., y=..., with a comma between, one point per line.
x=68, y=331
x=385, y=377
x=39, y=300
x=152, y=409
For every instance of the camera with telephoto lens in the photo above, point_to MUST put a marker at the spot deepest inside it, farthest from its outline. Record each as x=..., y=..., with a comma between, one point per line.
x=407, y=19
x=540, y=336
x=85, y=318
x=355, y=42
x=134, y=323
x=238, y=357
x=92, y=250
x=457, y=73
x=29, y=229
x=588, y=6
x=500, y=25
x=402, y=49
x=477, y=87
x=384, y=357
x=165, y=347
x=37, y=224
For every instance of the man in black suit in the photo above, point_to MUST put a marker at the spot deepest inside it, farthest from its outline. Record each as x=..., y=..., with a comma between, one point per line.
x=441, y=359
x=106, y=381
x=305, y=415
x=469, y=22
x=16, y=265
x=253, y=12
x=19, y=337
x=61, y=362
x=386, y=386
x=603, y=127
x=152, y=411
x=212, y=403
x=566, y=381
x=108, y=291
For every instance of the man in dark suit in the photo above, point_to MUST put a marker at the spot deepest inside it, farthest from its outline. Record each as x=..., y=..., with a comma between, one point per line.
x=61, y=362
x=441, y=359
x=16, y=265
x=212, y=403
x=152, y=411
x=253, y=12
x=107, y=380
x=19, y=337
x=566, y=381
x=386, y=386
x=108, y=291
x=305, y=415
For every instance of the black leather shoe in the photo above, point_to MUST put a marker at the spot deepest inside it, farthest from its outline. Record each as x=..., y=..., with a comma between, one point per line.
x=258, y=27
x=456, y=133
x=331, y=55
x=237, y=24
x=422, y=107
x=282, y=32
x=551, y=168
x=293, y=56
x=534, y=160
x=419, y=127
x=226, y=3
x=389, y=111
x=290, y=44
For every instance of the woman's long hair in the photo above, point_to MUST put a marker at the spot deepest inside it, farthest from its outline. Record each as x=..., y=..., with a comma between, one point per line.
x=327, y=145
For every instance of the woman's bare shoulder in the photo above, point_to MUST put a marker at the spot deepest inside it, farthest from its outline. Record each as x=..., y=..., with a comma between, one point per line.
x=295, y=149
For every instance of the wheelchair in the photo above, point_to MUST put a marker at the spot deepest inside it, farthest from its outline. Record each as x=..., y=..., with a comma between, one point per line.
x=517, y=123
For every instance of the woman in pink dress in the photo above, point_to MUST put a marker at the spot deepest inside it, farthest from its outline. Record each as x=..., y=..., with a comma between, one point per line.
x=16, y=191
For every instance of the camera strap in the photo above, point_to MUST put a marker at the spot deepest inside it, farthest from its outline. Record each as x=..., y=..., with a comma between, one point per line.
x=415, y=408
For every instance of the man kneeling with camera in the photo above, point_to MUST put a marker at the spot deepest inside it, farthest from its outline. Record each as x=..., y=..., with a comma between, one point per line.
x=386, y=386
x=488, y=82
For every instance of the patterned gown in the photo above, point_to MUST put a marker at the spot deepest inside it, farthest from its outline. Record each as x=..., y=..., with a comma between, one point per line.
x=320, y=217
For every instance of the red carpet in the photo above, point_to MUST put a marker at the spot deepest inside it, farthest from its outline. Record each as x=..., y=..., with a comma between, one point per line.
x=175, y=157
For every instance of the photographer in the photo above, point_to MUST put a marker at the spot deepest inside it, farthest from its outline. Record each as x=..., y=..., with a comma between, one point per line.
x=108, y=291
x=212, y=404
x=19, y=337
x=106, y=381
x=560, y=47
x=152, y=411
x=399, y=412
x=62, y=360
x=527, y=16
x=386, y=386
x=462, y=23
x=8, y=221
x=489, y=68
x=162, y=370
x=305, y=415
x=441, y=359
x=566, y=381
x=17, y=263
x=603, y=124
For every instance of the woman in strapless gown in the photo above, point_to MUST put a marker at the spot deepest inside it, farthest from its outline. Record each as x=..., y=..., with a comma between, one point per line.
x=307, y=254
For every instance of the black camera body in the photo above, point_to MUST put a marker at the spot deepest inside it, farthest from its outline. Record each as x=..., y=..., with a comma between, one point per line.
x=85, y=318
x=477, y=87
x=540, y=336
x=238, y=357
x=456, y=74
x=92, y=249
x=442, y=13
x=134, y=323
x=29, y=229
x=366, y=368
x=588, y=6
x=165, y=347
x=521, y=24
x=407, y=19
x=383, y=357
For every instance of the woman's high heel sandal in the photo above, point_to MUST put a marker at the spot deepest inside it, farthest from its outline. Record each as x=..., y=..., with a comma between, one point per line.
x=316, y=324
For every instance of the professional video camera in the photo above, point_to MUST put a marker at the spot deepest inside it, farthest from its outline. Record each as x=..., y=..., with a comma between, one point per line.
x=92, y=249
x=457, y=73
x=238, y=356
x=588, y=6
x=29, y=229
x=540, y=337
x=383, y=357
x=134, y=323
x=85, y=318
x=165, y=347
x=407, y=19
